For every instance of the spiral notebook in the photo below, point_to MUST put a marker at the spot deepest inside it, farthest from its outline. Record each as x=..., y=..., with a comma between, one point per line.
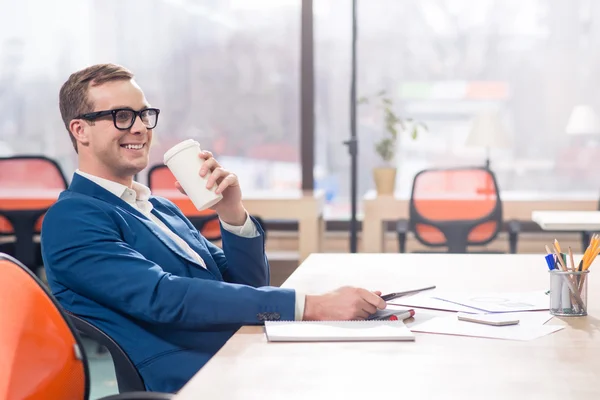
x=333, y=331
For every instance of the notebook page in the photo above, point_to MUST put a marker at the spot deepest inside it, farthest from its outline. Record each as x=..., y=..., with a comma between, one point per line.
x=322, y=331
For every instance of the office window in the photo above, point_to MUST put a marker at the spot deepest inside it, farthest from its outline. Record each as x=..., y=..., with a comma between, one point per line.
x=445, y=61
x=225, y=72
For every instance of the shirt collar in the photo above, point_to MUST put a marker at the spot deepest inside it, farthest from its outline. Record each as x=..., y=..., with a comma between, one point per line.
x=141, y=192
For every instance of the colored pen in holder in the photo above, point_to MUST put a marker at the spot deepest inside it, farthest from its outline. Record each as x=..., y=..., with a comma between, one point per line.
x=551, y=261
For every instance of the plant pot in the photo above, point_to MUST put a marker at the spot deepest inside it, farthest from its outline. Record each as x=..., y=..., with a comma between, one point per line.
x=385, y=180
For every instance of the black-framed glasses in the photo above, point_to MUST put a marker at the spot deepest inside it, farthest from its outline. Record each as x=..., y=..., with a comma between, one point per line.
x=124, y=118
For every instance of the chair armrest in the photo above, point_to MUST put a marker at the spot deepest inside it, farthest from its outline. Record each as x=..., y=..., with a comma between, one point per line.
x=140, y=396
x=128, y=377
x=402, y=230
x=514, y=228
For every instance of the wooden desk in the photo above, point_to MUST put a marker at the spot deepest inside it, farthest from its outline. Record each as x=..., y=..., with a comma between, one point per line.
x=577, y=221
x=515, y=206
x=305, y=207
x=561, y=366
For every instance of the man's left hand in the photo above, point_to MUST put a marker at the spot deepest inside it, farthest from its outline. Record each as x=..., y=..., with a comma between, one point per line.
x=230, y=208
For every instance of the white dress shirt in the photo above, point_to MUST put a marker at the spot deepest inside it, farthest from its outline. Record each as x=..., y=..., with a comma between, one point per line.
x=137, y=197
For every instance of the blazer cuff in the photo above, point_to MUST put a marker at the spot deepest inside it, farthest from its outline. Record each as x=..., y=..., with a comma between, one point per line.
x=299, y=311
x=248, y=230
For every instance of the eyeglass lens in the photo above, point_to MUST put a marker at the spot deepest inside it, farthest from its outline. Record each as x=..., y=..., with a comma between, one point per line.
x=124, y=119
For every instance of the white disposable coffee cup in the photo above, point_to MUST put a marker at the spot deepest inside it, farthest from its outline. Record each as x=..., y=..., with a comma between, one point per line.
x=184, y=162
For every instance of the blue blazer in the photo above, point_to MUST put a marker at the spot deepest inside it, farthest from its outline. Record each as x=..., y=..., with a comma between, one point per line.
x=111, y=265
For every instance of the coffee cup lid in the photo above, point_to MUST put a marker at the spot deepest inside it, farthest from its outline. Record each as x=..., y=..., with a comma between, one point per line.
x=179, y=147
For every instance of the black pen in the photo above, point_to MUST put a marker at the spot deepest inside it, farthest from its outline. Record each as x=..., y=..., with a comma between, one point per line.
x=391, y=296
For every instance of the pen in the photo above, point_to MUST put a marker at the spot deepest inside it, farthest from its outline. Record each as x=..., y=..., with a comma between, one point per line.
x=387, y=314
x=391, y=296
x=403, y=316
x=550, y=261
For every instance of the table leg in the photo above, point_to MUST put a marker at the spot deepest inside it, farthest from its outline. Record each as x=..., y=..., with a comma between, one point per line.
x=322, y=232
x=372, y=235
x=310, y=236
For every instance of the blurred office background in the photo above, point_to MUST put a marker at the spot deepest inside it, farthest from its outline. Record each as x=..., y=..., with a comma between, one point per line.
x=227, y=72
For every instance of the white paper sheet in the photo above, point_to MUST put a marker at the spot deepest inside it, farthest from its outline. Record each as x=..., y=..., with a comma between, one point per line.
x=498, y=302
x=531, y=326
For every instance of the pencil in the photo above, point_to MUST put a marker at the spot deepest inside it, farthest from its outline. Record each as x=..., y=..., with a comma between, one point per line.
x=591, y=252
x=557, y=245
x=572, y=260
x=590, y=255
x=587, y=252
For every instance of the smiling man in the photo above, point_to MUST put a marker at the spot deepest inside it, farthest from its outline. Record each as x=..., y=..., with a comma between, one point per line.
x=133, y=265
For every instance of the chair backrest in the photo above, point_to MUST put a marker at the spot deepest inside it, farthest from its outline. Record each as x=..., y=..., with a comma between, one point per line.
x=29, y=172
x=161, y=177
x=41, y=356
x=455, y=207
x=128, y=377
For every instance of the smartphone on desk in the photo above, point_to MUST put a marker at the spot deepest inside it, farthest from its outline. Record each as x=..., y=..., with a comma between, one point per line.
x=497, y=319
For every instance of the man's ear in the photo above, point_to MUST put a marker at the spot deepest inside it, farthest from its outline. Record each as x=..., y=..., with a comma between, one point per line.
x=80, y=130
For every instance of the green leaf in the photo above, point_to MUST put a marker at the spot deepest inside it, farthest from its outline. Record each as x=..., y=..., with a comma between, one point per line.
x=415, y=132
x=390, y=122
x=385, y=149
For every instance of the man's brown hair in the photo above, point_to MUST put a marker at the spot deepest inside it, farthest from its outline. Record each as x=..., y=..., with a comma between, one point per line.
x=73, y=98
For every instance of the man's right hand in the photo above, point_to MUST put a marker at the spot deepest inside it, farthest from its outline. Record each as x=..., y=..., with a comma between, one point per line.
x=346, y=303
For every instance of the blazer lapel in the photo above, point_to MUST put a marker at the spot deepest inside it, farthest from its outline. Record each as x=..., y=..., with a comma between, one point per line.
x=174, y=222
x=85, y=186
x=166, y=239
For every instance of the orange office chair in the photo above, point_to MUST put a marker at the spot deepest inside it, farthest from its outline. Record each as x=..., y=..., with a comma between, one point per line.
x=455, y=208
x=160, y=177
x=42, y=356
x=27, y=173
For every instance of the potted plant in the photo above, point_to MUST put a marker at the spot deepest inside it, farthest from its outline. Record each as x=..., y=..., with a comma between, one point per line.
x=385, y=174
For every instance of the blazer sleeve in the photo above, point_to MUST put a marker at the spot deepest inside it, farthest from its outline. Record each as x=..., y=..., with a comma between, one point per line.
x=84, y=249
x=242, y=260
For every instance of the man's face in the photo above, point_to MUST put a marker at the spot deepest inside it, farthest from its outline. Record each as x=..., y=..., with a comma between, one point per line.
x=116, y=152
